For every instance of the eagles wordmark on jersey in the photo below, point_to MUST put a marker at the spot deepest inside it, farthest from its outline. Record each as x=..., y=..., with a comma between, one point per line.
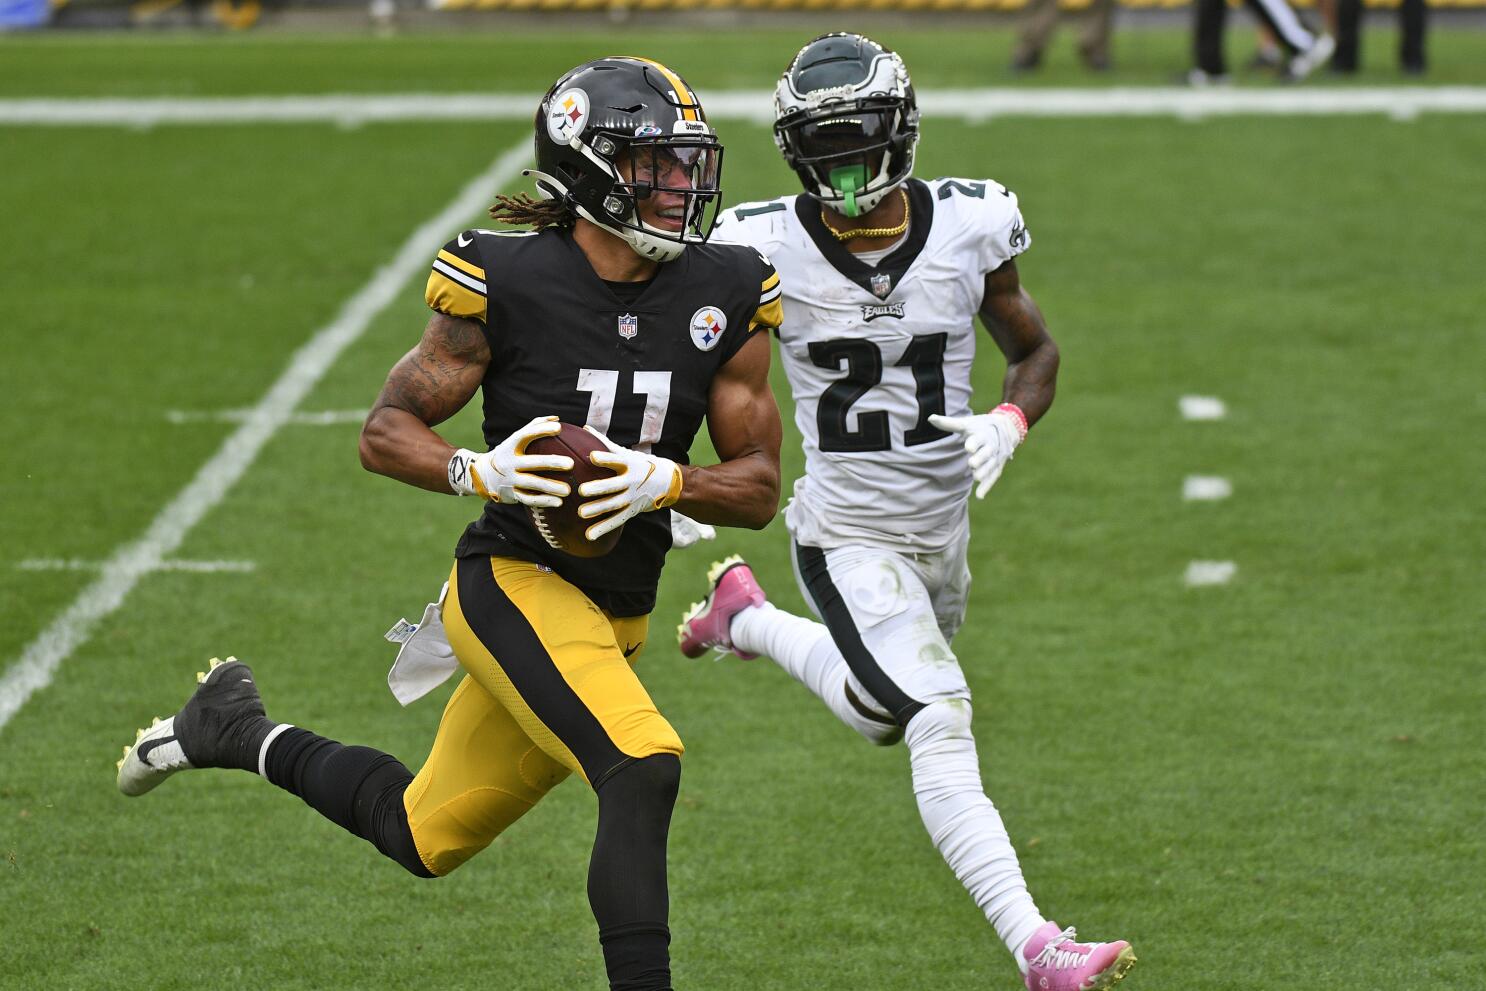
x=640, y=371
x=872, y=351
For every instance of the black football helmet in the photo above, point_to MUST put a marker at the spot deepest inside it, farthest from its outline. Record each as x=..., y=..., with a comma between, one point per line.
x=846, y=119
x=612, y=108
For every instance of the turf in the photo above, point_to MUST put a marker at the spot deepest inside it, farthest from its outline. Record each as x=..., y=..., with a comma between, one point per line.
x=1265, y=785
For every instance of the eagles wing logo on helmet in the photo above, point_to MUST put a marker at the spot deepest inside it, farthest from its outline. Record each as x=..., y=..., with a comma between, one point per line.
x=846, y=120
x=616, y=132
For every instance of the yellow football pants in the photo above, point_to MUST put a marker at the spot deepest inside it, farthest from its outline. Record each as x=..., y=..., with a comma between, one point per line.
x=548, y=691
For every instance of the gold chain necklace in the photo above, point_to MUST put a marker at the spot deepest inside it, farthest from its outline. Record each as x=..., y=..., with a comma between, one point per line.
x=870, y=231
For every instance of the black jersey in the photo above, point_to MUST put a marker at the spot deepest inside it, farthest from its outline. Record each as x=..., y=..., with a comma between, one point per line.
x=561, y=342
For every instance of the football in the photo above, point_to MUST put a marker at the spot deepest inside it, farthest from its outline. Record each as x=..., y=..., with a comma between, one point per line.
x=562, y=528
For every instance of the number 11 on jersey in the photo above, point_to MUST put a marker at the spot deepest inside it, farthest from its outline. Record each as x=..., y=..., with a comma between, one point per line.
x=602, y=386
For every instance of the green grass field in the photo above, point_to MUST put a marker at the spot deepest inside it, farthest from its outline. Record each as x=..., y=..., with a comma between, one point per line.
x=1266, y=785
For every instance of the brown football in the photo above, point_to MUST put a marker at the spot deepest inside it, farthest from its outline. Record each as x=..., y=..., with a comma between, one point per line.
x=562, y=528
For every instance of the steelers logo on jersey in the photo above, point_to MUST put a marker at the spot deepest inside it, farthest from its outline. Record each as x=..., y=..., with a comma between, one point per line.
x=568, y=115
x=707, y=325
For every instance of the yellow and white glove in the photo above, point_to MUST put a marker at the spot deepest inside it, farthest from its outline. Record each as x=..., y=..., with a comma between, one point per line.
x=641, y=483
x=504, y=473
x=989, y=438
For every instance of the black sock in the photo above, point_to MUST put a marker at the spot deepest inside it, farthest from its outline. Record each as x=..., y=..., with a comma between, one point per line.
x=357, y=788
x=627, y=875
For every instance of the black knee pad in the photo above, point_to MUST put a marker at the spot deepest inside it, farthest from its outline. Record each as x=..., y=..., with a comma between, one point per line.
x=376, y=809
x=652, y=781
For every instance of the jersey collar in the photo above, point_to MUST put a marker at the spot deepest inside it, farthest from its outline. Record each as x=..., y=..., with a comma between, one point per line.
x=650, y=301
x=921, y=203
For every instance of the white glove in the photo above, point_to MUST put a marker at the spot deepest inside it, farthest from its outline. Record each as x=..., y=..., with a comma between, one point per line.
x=641, y=483
x=990, y=439
x=686, y=531
x=503, y=474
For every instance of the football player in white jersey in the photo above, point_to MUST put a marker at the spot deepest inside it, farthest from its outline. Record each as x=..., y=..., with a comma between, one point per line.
x=883, y=275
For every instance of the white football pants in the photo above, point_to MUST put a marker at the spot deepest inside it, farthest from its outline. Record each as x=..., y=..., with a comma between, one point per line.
x=883, y=664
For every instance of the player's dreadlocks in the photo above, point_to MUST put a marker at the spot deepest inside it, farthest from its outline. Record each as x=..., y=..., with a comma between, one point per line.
x=521, y=209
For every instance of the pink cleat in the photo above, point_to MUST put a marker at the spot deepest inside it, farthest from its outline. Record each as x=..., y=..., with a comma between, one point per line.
x=706, y=623
x=1056, y=963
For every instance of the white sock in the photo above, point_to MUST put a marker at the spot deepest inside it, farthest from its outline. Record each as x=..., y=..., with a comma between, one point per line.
x=964, y=824
x=273, y=735
x=804, y=648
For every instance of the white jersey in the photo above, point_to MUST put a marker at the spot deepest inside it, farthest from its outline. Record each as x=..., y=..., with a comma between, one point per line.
x=872, y=351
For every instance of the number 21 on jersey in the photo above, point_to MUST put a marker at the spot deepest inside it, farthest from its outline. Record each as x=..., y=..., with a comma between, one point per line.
x=862, y=360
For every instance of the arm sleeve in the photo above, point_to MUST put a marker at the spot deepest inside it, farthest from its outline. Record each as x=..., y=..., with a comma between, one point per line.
x=456, y=285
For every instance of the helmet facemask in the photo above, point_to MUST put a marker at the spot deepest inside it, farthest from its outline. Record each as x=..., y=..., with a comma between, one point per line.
x=675, y=180
x=850, y=158
x=846, y=120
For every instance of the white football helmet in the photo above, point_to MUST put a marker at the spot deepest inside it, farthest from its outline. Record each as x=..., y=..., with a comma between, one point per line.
x=846, y=120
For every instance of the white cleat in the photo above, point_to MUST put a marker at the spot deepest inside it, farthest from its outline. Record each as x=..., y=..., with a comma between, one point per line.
x=155, y=756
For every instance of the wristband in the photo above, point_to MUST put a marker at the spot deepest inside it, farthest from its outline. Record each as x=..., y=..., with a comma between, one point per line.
x=461, y=472
x=1015, y=412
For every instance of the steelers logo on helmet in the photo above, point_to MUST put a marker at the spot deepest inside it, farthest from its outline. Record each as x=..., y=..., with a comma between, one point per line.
x=624, y=144
x=566, y=115
x=846, y=120
x=707, y=325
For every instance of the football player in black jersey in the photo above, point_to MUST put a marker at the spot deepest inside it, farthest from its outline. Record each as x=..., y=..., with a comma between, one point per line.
x=614, y=313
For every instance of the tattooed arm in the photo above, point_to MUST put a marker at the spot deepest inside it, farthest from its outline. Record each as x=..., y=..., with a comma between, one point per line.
x=428, y=385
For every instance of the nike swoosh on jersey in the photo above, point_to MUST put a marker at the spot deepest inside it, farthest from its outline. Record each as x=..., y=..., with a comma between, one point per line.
x=464, y=242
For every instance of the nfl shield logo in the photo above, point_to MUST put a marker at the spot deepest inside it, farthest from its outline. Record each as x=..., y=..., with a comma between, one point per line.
x=882, y=284
x=629, y=326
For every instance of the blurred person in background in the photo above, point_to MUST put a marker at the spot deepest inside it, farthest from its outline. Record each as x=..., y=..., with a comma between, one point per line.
x=1040, y=20
x=1270, y=54
x=1411, y=17
x=1304, y=50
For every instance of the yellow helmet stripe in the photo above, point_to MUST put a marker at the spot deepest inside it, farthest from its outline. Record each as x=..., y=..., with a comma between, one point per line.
x=690, y=106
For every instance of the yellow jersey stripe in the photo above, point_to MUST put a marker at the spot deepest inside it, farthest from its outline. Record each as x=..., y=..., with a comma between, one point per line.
x=447, y=296
x=684, y=96
x=462, y=265
x=769, y=315
x=770, y=282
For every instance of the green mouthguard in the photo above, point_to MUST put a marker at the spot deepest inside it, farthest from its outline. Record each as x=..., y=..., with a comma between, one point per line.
x=847, y=180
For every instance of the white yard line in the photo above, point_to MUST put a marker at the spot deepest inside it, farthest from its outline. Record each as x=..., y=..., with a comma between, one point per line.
x=42, y=657
x=1202, y=408
x=1400, y=102
x=1201, y=573
x=1206, y=488
x=318, y=418
x=81, y=564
